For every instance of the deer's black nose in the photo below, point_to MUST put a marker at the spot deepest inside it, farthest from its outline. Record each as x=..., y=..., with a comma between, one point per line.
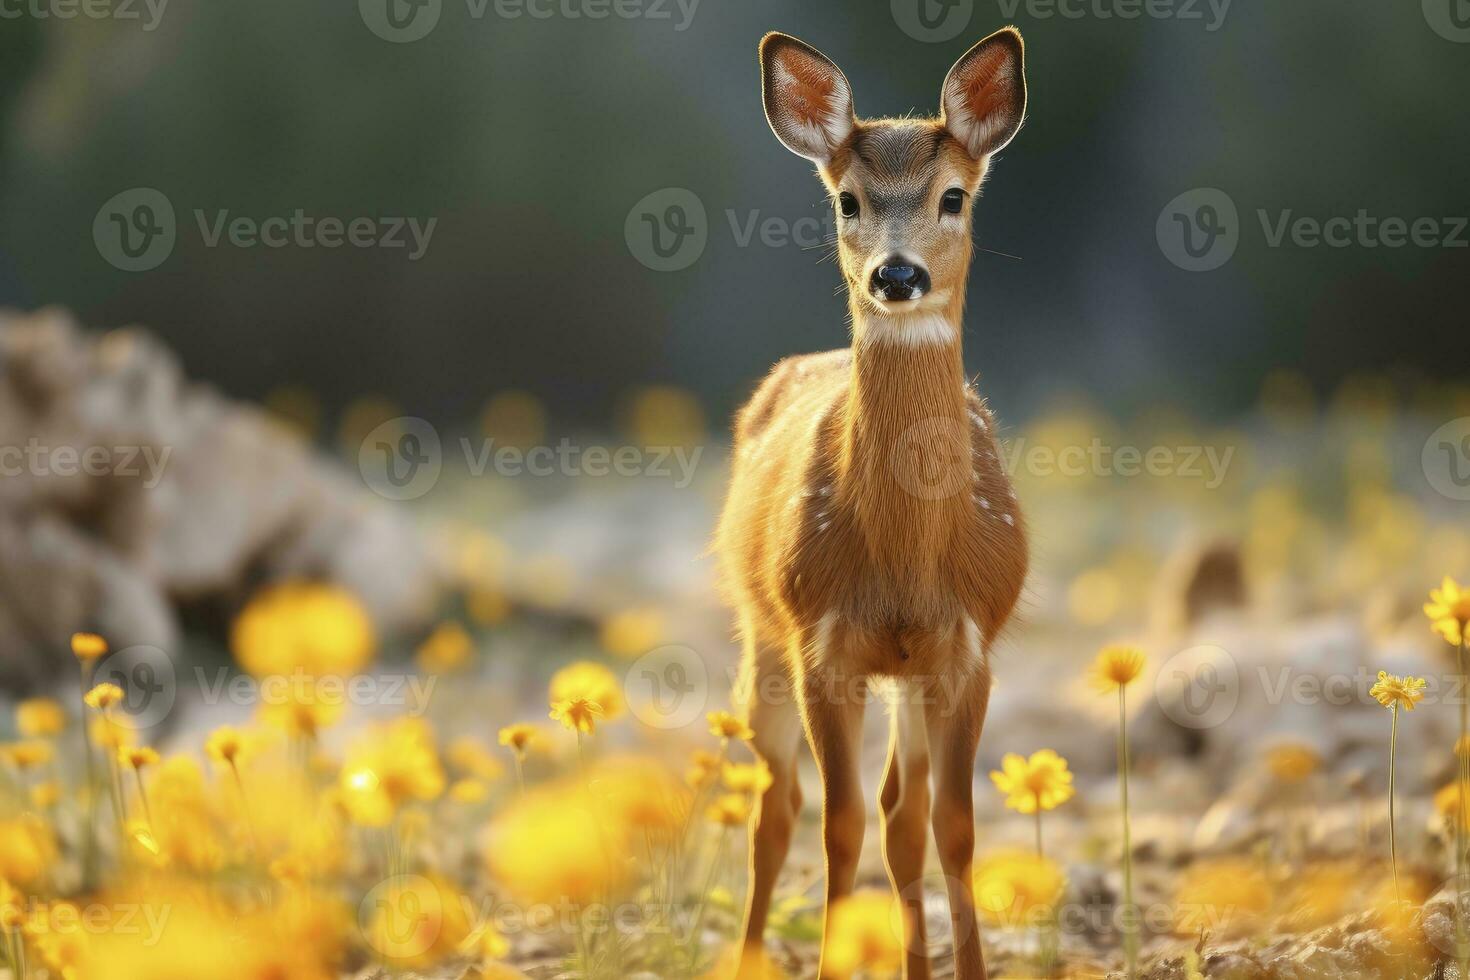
x=897, y=279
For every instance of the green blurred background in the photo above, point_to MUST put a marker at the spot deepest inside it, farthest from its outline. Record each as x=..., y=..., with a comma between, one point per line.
x=530, y=138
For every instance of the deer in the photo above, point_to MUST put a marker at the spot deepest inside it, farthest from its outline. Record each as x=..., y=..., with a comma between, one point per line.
x=871, y=540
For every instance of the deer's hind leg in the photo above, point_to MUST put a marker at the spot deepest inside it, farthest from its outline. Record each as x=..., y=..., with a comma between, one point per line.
x=769, y=702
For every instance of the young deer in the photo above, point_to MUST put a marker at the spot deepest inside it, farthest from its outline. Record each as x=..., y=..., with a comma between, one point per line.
x=870, y=531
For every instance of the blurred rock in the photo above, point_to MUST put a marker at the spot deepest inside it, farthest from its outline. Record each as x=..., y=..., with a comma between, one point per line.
x=129, y=492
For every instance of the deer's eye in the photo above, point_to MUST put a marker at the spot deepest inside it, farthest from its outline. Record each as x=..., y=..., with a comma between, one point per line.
x=847, y=204
x=953, y=201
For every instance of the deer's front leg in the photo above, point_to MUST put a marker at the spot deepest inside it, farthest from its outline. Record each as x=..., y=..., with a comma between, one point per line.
x=955, y=718
x=832, y=704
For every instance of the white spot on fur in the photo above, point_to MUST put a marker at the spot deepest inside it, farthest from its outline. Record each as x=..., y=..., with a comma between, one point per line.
x=1008, y=519
x=984, y=504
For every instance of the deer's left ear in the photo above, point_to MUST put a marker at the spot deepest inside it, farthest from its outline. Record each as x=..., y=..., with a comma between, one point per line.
x=984, y=95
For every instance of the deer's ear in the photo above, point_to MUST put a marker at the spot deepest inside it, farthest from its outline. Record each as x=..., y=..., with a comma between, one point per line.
x=984, y=95
x=808, y=100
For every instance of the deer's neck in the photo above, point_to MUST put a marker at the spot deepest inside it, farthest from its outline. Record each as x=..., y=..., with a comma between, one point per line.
x=905, y=431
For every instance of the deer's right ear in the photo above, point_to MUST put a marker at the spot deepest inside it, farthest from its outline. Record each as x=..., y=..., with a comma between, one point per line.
x=808, y=100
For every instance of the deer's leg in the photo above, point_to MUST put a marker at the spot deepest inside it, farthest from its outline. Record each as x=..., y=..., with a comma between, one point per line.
x=904, y=803
x=832, y=703
x=770, y=709
x=954, y=719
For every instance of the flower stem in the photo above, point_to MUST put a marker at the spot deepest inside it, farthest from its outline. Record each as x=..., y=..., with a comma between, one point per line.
x=1462, y=753
x=1039, y=852
x=1393, y=844
x=1130, y=931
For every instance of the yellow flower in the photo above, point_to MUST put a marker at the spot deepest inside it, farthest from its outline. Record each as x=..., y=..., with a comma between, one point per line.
x=1448, y=610
x=591, y=682
x=313, y=628
x=88, y=646
x=27, y=755
x=1447, y=804
x=1292, y=762
x=1228, y=895
x=519, y=737
x=388, y=766
x=45, y=795
x=754, y=778
x=109, y=733
x=866, y=934
x=225, y=744
x=641, y=795
x=1012, y=887
x=469, y=791
x=27, y=850
x=469, y=756
x=578, y=714
x=704, y=767
x=1391, y=690
x=40, y=718
x=730, y=810
x=445, y=649
x=722, y=724
x=138, y=758
x=308, y=706
x=1041, y=782
x=548, y=847
x=103, y=696
x=632, y=632
x=1117, y=665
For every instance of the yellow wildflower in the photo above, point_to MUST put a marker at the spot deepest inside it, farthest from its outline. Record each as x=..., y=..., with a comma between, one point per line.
x=577, y=714
x=724, y=725
x=40, y=718
x=1391, y=690
x=1292, y=762
x=1448, y=610
x=225, y=744
x=754, y=778
x=591, y=682
x=310, y=627
x=1117, y=665
x=867, y=935
x=447, y=648
x=110, y=733
x=1014, y=886
x=1042, y=782
x=471, y=757
x=730, y=810
x=469, y=791
x=388, y=766
x=27, y=755
x=103, y=696
x=519, y=737
x=138, y=758
x=87, y=647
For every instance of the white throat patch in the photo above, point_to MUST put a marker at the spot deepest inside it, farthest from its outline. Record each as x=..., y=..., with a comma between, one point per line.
x=910, y=330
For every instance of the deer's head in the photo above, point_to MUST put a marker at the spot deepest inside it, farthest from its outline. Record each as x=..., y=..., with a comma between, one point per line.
x=903, y=189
